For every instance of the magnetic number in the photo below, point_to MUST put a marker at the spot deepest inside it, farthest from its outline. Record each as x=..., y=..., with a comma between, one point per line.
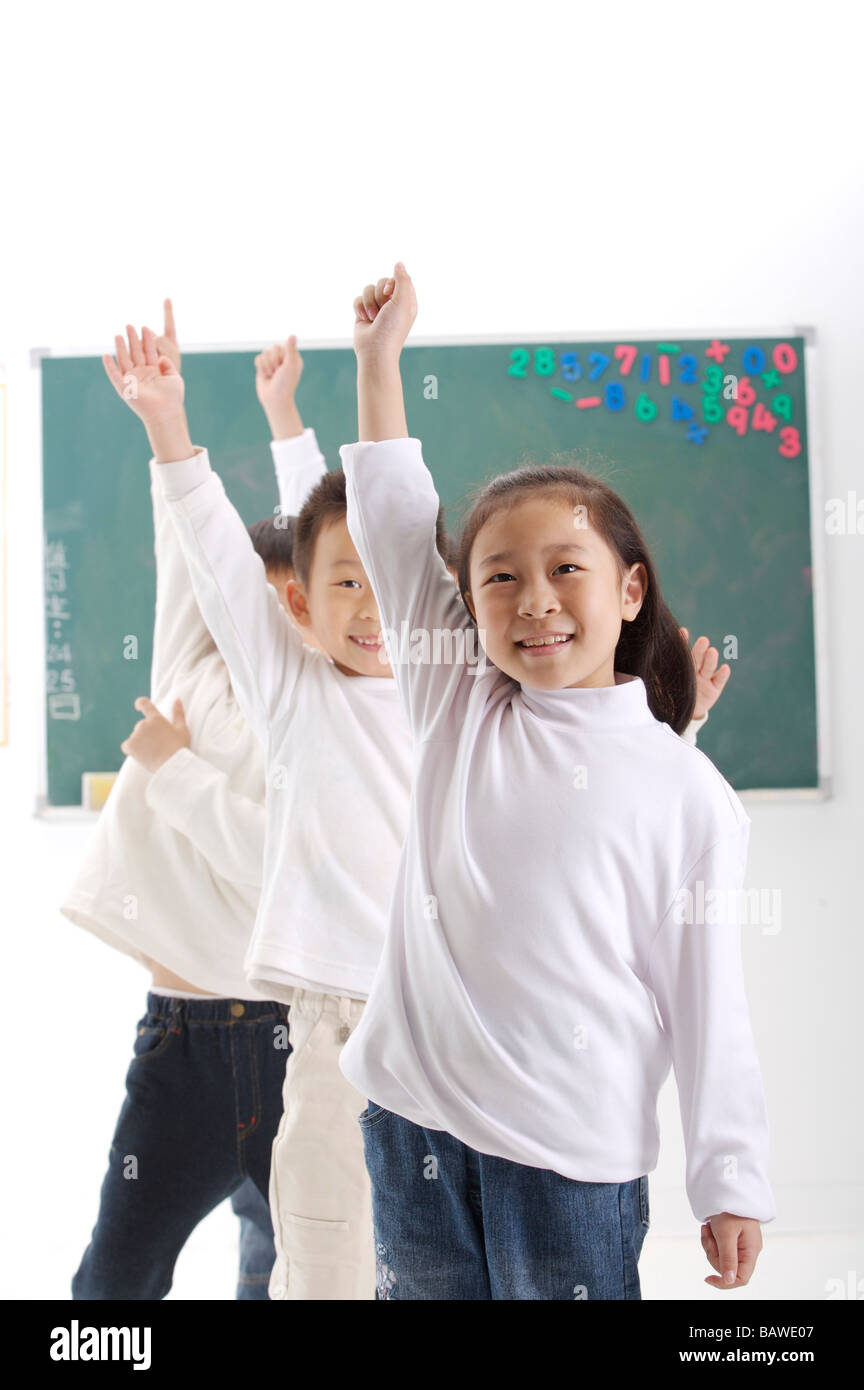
x=783, y=406
x=645, y=408
x=763, y=419
x=712, y=411
x=615, y=397
x=681, y=410
x=601, y=362
x=713, y=379
x=785, y=357
x=626, y=356
x=689, y=368
x=745, y=394
x=519, y=359
x=791, y=446
x=571, y=368
x=544, y=361
x=754, y=361
x=736, y=416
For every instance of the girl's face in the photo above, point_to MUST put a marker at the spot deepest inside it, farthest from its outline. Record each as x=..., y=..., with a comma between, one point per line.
x=537, y=571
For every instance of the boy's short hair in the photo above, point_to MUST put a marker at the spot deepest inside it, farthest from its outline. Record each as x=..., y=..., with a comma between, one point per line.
x=273, y=539
x=328, y=502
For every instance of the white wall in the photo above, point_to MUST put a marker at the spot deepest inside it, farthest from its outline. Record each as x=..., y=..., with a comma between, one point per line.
x=561, y=167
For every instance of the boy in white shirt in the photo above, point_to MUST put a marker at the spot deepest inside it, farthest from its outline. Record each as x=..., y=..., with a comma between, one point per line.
x=172, y=877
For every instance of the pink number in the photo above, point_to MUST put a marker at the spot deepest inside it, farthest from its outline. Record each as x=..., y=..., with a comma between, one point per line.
x=736, y=416
x=785, y=357
x=791, y=446
x=626, y=357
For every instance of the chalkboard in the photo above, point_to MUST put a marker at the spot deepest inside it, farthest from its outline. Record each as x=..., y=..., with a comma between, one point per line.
x=706, y=439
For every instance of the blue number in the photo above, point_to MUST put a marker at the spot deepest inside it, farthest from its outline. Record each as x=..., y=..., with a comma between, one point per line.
x=571, y=369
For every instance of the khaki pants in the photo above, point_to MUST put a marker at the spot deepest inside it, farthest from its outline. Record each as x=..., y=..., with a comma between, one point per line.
x=320, y=1196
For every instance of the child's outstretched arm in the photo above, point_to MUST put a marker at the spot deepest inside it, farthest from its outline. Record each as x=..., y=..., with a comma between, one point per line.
x=393, y=512
x=258, y=642
x=298, y=461
x=180, y=635
x=195, y=797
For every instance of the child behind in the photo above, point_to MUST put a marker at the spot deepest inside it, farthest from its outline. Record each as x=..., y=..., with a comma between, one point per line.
x=560, y=834
x=172, y=876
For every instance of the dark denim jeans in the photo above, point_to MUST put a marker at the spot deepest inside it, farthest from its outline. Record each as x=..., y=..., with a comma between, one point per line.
x=452, y=1223
x=257, y=1247
x=203, y=1104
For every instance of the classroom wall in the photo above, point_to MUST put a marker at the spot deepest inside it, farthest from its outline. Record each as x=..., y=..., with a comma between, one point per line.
x=636, y=168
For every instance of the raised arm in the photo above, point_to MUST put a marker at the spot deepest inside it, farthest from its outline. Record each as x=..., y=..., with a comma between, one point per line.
x=258, y=642
x=392, y=516
x=297, y=459
x=180, y=635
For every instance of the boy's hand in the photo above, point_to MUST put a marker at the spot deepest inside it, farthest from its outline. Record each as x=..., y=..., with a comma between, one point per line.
x=709, y=681
x=277, y=376
x=166, y=342
x=155, y=739
x=732, y=1245
x=383, y=315
x=152, y=387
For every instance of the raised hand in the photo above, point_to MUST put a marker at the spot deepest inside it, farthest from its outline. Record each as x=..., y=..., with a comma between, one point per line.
x=383, y=315
x=155, y=739
x=153, y=388
x=166, y=341
x=277, y=375
x=709, y=680
x=148, y=382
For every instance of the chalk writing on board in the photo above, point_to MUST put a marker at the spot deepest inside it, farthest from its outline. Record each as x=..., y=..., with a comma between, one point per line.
x=64, y=701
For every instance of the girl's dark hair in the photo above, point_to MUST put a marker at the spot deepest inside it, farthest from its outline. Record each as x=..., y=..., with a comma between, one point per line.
x=273, y=539
x=328, y=502
x=651, y=646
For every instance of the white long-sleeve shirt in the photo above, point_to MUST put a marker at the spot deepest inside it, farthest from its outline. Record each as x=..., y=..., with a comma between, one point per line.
x=337, y=752
x=552, y=839
x=173, y=869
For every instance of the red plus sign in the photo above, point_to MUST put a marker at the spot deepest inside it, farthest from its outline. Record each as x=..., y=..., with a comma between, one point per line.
x=717, y=350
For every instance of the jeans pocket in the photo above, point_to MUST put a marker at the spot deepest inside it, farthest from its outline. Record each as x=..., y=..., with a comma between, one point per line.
x=153, y=1036
x=644, y=1209
x=372, y=1114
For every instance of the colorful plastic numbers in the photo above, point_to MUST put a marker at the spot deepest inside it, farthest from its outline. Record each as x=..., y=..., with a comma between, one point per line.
x=736, y=416
x=791, y=446
x=625, y=356
x=646, y=409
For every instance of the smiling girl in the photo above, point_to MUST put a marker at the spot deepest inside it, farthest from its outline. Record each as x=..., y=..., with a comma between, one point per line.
x=537, y=979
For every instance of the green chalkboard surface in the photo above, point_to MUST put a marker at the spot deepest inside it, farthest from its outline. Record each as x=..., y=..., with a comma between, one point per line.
x=705, y=439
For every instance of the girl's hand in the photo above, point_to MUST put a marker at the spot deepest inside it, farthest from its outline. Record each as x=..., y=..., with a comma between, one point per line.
x=155, y=739
x=277, y=376
x=732, y=1244
x=709, y=681
x=146, y=380
x=383, y=315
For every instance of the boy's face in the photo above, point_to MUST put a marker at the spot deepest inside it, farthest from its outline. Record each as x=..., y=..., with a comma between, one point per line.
x=338, y=606
x=534, y=573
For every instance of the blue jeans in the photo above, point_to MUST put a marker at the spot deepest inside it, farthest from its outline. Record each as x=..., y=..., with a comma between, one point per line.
x=202, y=1107
x=452, y=1223
x=257, y=1248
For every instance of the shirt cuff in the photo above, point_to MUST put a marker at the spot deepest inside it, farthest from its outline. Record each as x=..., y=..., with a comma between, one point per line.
x=184, y=475
x=297, y=449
